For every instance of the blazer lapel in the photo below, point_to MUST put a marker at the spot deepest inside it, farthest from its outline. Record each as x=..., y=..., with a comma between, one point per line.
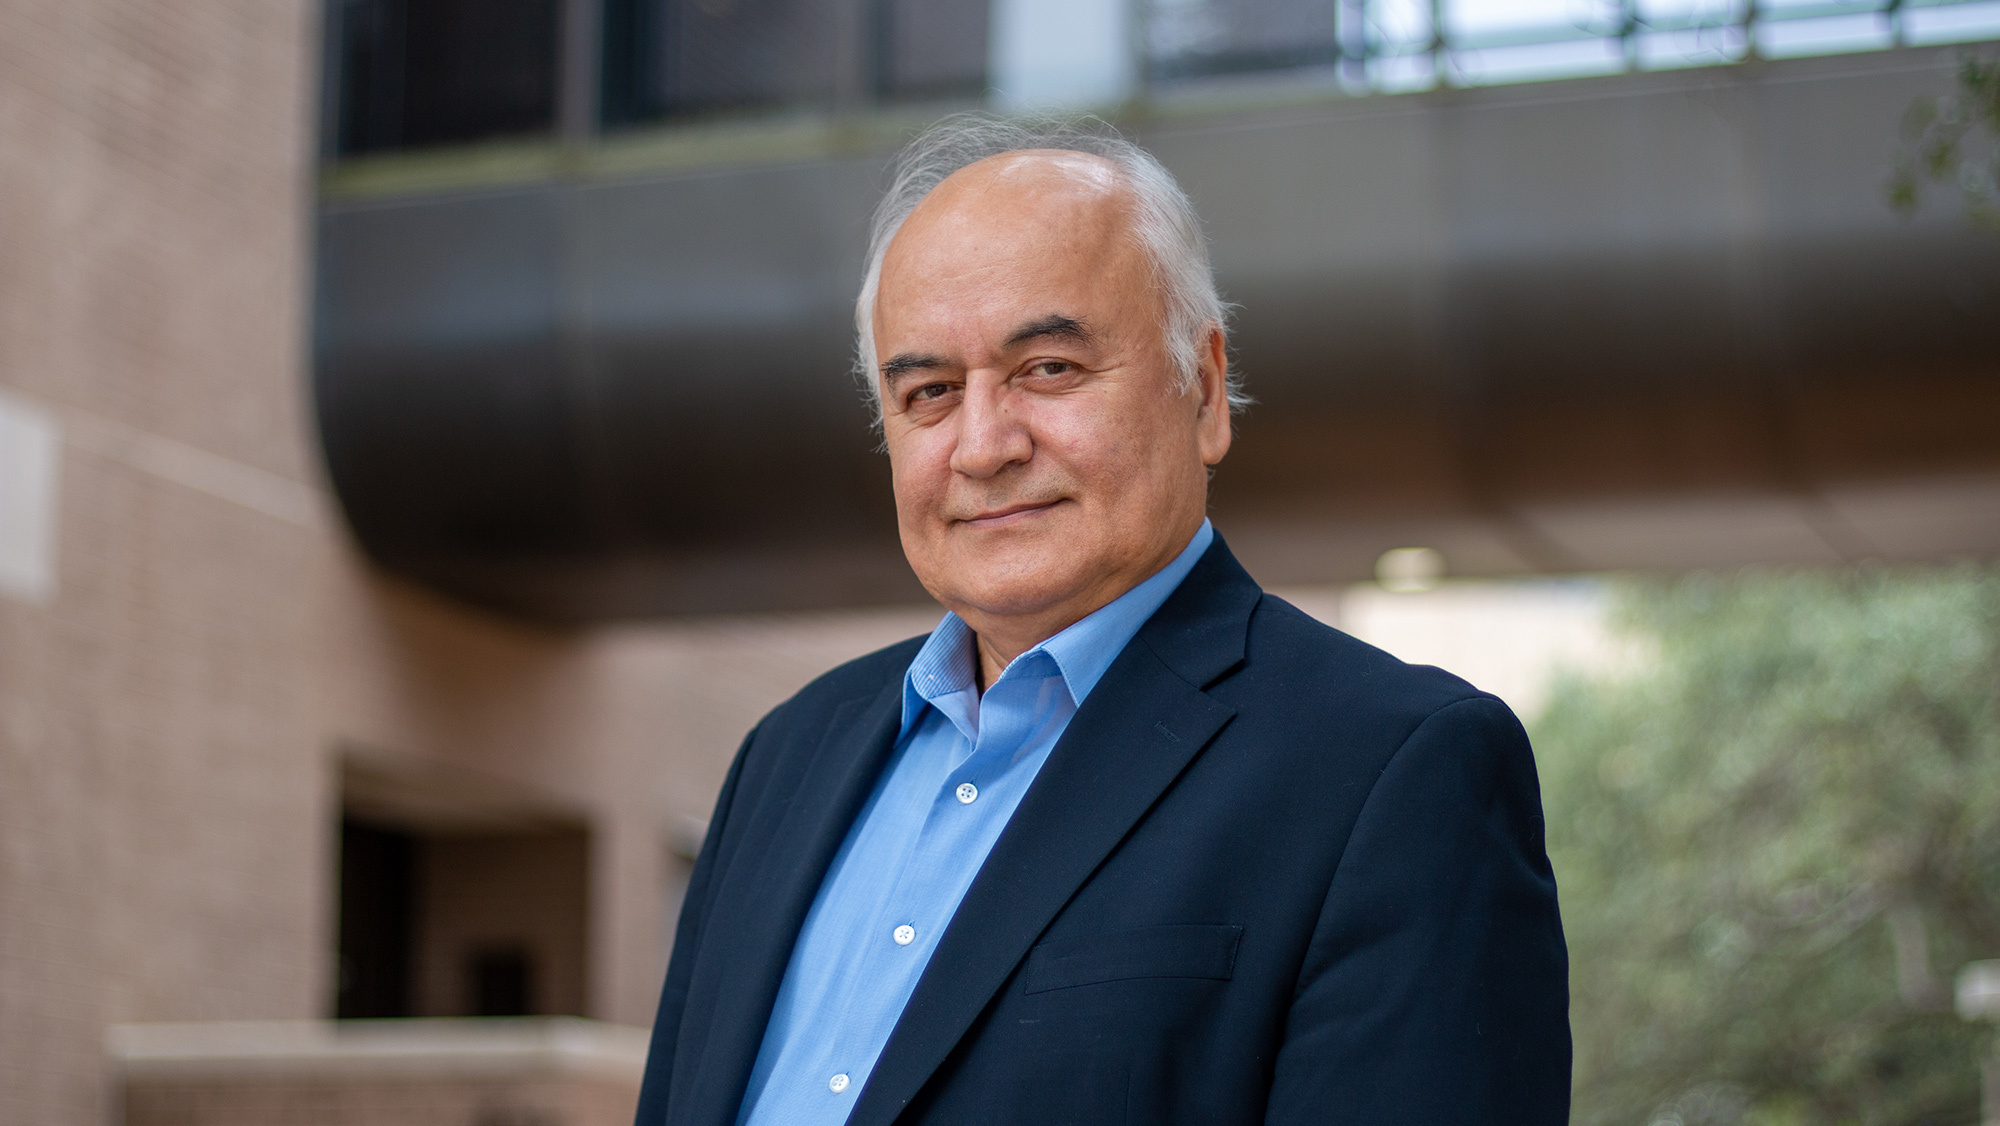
x=758, y=913
x=1138, y=730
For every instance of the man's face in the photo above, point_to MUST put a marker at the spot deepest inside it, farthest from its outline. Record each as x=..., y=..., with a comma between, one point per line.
x=1045, y=457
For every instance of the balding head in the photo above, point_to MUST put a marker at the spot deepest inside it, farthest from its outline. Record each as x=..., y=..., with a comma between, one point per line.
x=1003, y=199
x=1049, y=446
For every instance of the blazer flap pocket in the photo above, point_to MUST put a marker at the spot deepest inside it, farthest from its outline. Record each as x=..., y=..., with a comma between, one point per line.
x=1175, y=951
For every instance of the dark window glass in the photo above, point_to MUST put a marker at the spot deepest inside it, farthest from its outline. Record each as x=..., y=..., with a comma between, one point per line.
x=679, y=56
x=665, y=57
x=431, y=72
x=500, y=982
x=377, y=917
x=932, y=48
x=370, y=60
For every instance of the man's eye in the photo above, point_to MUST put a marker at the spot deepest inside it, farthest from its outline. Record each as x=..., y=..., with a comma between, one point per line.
x=929, y=391
x=1051, y=367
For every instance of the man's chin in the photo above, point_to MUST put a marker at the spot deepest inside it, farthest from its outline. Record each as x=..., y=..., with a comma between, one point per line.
x=1010, y=594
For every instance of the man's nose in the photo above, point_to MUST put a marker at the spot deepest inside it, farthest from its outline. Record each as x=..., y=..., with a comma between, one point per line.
x=990, y=434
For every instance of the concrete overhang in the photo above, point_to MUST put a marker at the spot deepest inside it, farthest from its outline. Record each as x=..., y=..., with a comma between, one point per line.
x=1661, y=320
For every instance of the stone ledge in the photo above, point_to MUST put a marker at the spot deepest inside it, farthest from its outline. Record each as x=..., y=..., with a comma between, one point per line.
x=515, y=1047
x=526, y=1071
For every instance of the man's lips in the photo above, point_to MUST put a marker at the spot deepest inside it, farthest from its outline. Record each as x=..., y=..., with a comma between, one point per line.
x=1008, y=514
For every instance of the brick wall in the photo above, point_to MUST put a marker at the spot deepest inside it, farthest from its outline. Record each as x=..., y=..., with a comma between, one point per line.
x=153, y=179
x=176, y=706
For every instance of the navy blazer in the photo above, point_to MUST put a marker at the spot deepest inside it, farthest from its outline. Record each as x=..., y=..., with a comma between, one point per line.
x=1269, y=874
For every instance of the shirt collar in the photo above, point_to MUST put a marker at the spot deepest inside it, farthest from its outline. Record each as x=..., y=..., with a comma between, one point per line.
x=1081, y=653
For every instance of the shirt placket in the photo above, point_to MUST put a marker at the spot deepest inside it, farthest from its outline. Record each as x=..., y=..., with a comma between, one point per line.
x=922, y=906
x=881, y=962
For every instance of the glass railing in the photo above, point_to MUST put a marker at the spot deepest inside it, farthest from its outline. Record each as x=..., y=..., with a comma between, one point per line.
x=663, y=61
x=1396, y=45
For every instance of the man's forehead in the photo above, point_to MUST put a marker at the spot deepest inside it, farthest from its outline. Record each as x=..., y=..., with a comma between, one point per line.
x=1010, y=239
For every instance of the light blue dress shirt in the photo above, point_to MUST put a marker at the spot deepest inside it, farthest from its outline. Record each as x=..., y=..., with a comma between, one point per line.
x=962, y=763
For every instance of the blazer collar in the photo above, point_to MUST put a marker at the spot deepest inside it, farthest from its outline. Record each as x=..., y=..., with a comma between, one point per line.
x=1201, y=631
x=1131, y=739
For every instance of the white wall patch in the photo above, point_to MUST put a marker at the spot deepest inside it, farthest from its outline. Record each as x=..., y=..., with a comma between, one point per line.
x=30, y=451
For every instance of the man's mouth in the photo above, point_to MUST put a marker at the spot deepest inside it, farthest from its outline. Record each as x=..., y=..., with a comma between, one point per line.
x=1008, y=514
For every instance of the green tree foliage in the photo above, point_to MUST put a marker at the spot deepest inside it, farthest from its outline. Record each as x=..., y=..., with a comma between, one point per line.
x=1776, y=844
x=1952, y=138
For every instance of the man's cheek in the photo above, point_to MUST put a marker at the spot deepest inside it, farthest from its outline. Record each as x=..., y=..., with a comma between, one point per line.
x=915, y=469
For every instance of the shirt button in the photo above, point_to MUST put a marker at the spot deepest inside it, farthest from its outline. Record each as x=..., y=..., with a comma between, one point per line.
x=838, y=1083
x=905, y=935
x=967, y=793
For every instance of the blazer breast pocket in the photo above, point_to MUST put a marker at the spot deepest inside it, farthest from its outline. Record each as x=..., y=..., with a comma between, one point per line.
x=1187, y=951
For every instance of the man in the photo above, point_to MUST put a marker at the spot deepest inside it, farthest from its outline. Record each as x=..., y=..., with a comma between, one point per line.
x=1124, y=839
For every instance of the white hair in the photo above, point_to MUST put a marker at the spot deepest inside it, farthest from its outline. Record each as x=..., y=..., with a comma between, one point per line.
x=1163, y=223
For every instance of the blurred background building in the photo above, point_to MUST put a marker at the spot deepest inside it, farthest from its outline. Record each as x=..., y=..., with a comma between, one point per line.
x=427, y=445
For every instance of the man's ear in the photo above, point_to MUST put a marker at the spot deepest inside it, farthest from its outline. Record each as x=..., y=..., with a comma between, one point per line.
x=1212, y=419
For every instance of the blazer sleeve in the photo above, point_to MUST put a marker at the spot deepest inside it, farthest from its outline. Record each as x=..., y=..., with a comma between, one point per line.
x=687, y=941
x=1436, y=985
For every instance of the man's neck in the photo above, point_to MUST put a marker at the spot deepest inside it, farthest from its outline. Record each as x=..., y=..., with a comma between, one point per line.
x=999, y=638
x=991, y=660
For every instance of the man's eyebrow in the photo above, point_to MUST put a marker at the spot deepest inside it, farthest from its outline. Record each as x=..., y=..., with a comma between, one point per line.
x=1055, y=324
x=903, y=363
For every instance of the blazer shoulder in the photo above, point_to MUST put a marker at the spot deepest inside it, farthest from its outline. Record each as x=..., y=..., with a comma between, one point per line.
x=771, y=754
x=859, y=678
x=1289, y=646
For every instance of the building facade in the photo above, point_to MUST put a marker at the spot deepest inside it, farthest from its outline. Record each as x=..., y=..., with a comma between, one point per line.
x=254, y=767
